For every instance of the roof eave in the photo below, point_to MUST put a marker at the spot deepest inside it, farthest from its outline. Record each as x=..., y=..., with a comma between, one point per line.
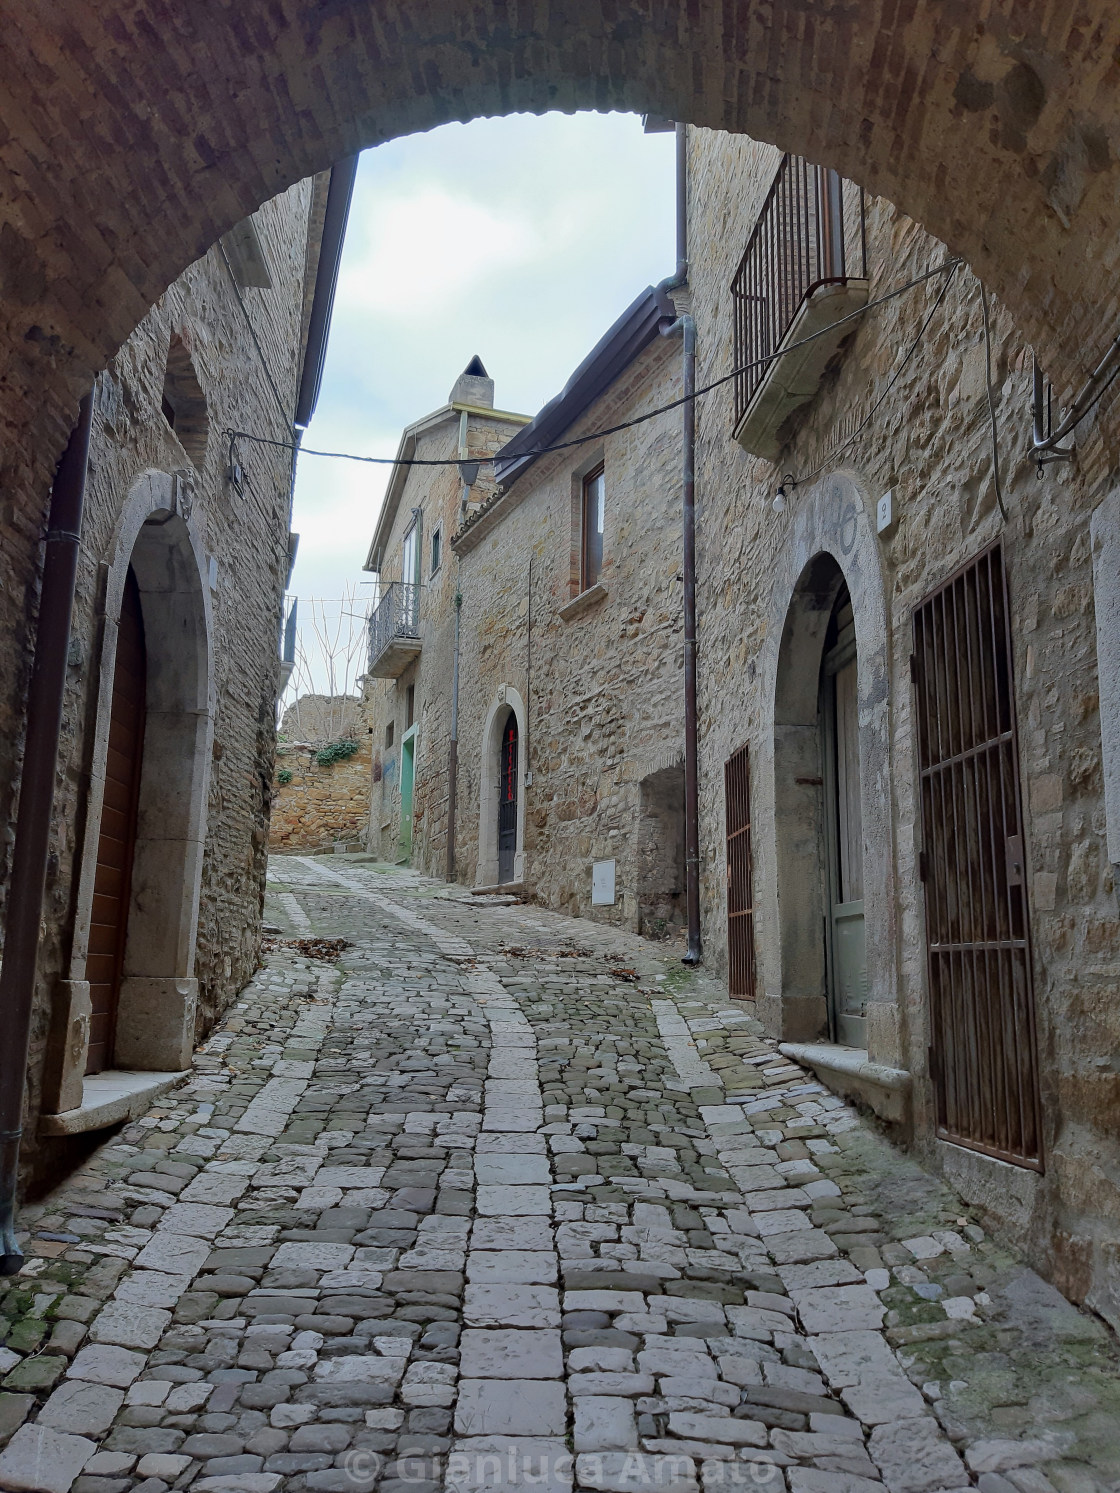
x=634, y=331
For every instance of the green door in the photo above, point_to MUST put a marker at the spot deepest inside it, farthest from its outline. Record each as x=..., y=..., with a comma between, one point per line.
x=408, y=768
x=847, y=948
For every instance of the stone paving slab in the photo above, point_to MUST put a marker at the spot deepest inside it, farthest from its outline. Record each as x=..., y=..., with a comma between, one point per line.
x=472, y=1210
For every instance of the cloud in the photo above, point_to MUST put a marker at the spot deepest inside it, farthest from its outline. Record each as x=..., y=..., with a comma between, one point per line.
x=406, y=272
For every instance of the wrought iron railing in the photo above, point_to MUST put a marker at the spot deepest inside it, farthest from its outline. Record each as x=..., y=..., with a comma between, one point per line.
x=397, y=615
x=810, y=232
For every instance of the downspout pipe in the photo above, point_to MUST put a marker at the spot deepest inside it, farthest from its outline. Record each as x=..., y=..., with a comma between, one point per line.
x=687, y=327
x=691, y=790
x=33, y=821
x=453, y=748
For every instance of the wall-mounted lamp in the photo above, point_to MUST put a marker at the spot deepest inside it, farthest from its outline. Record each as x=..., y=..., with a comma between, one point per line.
x=468, y=471
x=785, y=488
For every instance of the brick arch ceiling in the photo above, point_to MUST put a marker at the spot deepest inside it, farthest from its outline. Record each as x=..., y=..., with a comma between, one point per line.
x=133, y=132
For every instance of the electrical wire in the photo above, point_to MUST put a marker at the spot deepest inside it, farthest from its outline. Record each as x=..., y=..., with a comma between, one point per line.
x=895, y=376
x=947, y=267
x=991, y=400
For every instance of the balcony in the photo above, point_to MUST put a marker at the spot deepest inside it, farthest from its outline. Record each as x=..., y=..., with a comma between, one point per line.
x=804, y=270
x=394, y=631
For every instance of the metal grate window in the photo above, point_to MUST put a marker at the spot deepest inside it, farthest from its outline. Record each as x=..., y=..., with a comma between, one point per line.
x=983, y=1047
x=740, y=897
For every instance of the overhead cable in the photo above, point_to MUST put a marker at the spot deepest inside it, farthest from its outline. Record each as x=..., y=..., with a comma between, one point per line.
x=946, y=267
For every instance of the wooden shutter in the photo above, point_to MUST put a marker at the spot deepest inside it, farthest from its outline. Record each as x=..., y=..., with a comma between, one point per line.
x=983, y=1046
x=740, y=897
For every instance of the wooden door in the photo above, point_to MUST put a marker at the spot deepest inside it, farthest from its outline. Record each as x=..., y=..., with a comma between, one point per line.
x=507, y=801
x=847, y=944
x=116, y=840
x=983, y=1046
x=740, y=875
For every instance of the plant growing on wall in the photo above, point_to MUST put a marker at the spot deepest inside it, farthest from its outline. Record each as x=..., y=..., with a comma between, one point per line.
x=335, y=751
x=284, y=776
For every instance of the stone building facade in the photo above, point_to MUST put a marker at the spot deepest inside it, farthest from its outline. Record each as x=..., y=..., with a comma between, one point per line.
x=571, y=676
x=569, y=758
x=916, y=677
x=407, y=692
x=156, y=876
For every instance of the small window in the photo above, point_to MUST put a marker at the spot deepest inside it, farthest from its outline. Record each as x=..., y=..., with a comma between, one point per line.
x=183, y=402
x=437, y=549
x=594, y=500
x=389, y=735
x=410, y=706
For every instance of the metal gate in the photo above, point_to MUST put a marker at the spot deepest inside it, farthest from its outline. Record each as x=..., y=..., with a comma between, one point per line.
x=740, y=900
x=507, y=801
x=983, y=1052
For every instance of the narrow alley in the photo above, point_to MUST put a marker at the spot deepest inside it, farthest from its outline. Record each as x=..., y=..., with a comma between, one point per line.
x=503, y=1199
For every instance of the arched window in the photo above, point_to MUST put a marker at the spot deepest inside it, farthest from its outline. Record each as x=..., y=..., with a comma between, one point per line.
x=184, y=403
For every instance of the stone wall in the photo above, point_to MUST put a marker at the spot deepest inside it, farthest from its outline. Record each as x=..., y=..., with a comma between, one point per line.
x=928, y=442
x=320, y=804
x=320, y=719
x=226, y=557
x=598, y=687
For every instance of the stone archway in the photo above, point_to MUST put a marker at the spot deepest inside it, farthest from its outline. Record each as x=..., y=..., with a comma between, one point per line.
x=155, y=150
x=155, y=1026
x=507, y=702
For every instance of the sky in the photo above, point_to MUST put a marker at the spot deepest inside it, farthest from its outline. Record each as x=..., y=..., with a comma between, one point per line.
x=520, y=239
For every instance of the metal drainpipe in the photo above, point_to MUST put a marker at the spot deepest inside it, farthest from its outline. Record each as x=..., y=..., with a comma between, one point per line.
x=33, y=822
x=453, y=749
x=691, y=790
x=687, y=327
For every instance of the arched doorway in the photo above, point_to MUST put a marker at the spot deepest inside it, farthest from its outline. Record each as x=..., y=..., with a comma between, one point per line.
x=501, y=797
x=116, y=841
x=507, y=800
x=819, y=812
x=141, y=863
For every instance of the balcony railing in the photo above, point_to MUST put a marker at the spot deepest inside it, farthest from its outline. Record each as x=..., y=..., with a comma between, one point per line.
x=394, y=630
x=808, y=248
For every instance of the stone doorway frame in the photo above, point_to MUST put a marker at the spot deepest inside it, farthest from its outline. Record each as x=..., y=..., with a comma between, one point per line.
x=158, y=536
x=507, y=701
x=831, y=538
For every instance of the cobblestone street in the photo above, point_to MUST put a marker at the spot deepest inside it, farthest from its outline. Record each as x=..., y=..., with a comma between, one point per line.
x=501, y=1199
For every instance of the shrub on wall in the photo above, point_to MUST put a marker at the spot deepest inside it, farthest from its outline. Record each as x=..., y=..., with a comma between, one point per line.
x=284, y=776
x=335, y=751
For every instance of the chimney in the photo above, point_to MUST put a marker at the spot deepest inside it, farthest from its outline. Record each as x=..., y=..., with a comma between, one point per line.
x=473, y=386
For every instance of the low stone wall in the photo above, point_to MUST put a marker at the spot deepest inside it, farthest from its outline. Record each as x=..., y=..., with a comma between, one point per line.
x=320, y=804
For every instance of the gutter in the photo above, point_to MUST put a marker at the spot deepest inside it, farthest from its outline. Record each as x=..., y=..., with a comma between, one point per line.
x=27, y=882
x=687, y=327
x=337, y=211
